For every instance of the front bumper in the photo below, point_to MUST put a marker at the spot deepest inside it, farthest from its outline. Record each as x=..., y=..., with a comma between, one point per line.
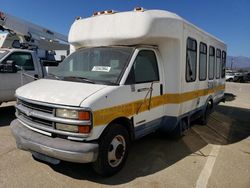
x=57, y=148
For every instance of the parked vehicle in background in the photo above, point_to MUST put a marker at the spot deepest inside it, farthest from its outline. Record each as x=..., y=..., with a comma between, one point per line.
x=242, y=78
x=26, y=51
x=230, y=76
x=128, y=74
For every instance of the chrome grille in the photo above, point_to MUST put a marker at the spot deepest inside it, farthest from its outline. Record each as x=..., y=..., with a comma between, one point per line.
x=36, y=120
x=36, y=106
x=41, y=116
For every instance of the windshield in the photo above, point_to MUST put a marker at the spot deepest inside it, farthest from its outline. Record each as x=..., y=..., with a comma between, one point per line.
x=3, y=53
x=103, y=65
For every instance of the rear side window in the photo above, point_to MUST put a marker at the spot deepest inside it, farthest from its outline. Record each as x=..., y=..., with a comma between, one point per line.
x=145, y=68
x=223, y=65
x=203, y=62
x=191, y=60
x=211, y=63
x=22, y=59
x=218, y=63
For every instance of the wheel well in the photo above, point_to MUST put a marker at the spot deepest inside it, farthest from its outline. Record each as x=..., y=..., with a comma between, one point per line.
x=126, y=122
x=211, y=102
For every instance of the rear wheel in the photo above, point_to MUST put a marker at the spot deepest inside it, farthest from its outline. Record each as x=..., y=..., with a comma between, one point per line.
x=206, y=113
x=113, y=150
x=180, y=128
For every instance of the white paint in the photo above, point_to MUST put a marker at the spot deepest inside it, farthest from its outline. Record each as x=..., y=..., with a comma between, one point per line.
x=208, y=168
x=58, y=92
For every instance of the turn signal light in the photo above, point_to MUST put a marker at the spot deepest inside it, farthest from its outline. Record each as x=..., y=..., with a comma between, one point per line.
x=104, y=12
x=84, y=115
x=78, y=18
x=84, y=129
x=109, y=11
x=95, y=13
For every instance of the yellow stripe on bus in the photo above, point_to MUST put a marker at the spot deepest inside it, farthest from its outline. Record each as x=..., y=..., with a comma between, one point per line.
x=105, y=116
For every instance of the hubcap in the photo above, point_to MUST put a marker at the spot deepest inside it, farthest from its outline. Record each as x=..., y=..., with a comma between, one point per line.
x=116, y=151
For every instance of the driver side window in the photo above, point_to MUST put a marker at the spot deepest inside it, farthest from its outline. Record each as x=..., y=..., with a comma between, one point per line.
x=145, y=68
x=22, y=59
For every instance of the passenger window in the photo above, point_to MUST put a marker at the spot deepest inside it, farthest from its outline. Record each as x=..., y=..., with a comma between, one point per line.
x=203, y=62
x=191, y=60
x=223, y=65
x=22, y=59
x=211, y=63
x=218, y=63
x=145, y=68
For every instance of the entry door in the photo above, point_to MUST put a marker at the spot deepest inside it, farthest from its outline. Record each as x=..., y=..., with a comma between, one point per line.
x=145, y=82
x=11, y=81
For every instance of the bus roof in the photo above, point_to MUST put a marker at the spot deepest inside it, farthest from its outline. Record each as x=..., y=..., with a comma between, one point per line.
x=130, y=28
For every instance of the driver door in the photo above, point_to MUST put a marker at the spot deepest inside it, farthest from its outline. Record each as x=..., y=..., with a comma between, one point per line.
x=144, y=78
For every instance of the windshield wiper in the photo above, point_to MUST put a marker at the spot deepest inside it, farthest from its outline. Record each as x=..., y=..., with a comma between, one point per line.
x=55, y=76
x=106, y=82
x=70, y=78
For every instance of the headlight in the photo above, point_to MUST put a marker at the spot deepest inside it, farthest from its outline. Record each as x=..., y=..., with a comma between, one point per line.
x=65, y=127
x=85, y=129
x=77, y=115
x=73, y=114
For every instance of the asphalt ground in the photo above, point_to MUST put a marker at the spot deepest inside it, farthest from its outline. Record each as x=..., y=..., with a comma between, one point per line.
x=216, y=155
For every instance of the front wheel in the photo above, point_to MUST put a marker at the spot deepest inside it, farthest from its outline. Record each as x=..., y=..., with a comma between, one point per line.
x=113, y=150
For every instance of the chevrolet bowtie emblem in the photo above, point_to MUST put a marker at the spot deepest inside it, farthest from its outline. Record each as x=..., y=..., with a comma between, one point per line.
x=29, y=113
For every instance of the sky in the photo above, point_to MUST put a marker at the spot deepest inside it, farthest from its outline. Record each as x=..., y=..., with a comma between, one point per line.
x=229, y=20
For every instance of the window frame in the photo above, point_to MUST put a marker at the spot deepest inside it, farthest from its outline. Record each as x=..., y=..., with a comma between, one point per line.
x=219, y=76
x=131, y=75
x=189, y=38
x=22, y=53
x=209, y=62
x=223, y=71
x=200, y=52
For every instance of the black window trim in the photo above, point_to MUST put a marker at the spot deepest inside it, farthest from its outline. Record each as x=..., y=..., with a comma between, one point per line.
x=225, y=59
x=202, y=43
x=218, y=77
x=209, y=62
x=190, y=38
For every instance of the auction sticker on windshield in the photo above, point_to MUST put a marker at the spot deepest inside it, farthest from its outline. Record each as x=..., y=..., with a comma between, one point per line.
x=101, y=68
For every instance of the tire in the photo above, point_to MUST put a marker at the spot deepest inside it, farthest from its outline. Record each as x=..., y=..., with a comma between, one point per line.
x=178, y=131
x=206, y=113
x=113, y=150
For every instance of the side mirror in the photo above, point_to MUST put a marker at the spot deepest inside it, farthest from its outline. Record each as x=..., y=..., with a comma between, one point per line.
x=16, y=44
x=8, y=67
x=48, y=63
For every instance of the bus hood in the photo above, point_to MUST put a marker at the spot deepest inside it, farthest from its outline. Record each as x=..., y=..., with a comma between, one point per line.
x=58, y=92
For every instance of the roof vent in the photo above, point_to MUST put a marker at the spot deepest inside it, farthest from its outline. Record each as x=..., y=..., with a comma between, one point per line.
x=78, y=17
x=104, y=12
x=139, y=9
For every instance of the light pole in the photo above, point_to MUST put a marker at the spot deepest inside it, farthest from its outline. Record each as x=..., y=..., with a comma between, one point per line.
x=232, y=61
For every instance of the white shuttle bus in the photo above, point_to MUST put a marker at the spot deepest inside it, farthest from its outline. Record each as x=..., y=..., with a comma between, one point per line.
x=128, y=74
